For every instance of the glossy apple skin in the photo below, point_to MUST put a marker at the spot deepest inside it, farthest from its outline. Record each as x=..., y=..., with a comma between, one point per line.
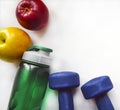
x=13, y=42
x=32, y=14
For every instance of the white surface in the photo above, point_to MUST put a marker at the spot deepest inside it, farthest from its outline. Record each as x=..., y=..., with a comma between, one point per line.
x=85, y=37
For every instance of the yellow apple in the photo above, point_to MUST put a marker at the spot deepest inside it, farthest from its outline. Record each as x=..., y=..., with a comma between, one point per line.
x=13, y=42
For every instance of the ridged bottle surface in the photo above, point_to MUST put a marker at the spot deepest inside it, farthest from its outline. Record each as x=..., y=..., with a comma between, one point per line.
x=29, y=86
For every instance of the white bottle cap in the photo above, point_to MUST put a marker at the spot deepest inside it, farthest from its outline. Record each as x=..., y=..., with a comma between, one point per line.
x=37, y=54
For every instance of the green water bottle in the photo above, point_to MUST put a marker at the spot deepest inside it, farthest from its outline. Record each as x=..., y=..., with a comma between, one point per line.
x=31, y=80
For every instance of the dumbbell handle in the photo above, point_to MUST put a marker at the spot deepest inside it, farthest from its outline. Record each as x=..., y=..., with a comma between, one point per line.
x=65, y=100
x=103, y=102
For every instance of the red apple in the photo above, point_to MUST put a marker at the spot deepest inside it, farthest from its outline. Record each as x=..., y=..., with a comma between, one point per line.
x=32, y=14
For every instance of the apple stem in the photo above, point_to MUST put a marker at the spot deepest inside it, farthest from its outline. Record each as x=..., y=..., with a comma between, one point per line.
x=27, y=9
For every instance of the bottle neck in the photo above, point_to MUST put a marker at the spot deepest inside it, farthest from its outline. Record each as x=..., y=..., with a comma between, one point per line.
x=34, y=63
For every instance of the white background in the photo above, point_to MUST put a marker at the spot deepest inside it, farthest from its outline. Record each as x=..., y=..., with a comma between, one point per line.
x=85, y=37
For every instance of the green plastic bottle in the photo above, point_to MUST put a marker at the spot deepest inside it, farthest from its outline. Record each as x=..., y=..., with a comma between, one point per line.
x=31, y=80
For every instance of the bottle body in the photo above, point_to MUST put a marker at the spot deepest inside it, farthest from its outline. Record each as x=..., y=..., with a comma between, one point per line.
x=29, y=87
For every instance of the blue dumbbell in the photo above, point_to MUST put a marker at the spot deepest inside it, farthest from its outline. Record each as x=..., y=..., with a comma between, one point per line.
x=97, y=88
x=64, y=82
